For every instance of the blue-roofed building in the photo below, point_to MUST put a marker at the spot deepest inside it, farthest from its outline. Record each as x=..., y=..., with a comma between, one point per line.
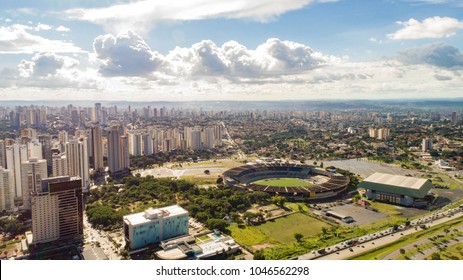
x=155, y=225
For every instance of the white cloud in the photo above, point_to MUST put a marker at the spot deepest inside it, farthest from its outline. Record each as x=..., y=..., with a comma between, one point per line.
x=439, y=54
x=125, y=55
x=142, y=15
x=48, y=70
x=62, y=29
x=433, y=27
x=45, y=65
x=129, y=55
x=16, y=39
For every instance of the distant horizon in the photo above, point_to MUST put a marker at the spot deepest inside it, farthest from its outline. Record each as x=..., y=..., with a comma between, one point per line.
x=454, y=104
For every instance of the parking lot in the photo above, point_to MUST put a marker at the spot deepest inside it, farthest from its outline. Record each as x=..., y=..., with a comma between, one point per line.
x=361, y=215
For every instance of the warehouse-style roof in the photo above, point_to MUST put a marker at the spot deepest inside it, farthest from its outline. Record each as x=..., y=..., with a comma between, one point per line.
x=397, y=184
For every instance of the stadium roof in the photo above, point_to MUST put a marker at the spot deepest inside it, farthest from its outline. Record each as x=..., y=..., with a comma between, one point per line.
x=397, y=184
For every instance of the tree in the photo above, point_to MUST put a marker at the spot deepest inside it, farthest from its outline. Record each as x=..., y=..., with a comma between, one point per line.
x=435, y=256
x=259, y=255
x=402, y=251
x=207, y=172
x=279, y=201
x=298, y=236
x=216, y=224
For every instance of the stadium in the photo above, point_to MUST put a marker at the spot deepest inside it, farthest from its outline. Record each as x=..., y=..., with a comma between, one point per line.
x=294, y=181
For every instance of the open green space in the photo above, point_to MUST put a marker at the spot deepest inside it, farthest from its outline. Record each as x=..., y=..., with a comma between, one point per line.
x=280, y=230
x=283, y=229
x=445, y=181
x=282, y=182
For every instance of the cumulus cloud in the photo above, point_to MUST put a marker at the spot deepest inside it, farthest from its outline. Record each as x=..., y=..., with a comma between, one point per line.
x=16, y=39
x=125, y=55
x=433, y=27
x=439, y=54
x=45, y=64
x=129, y=55
x=142, y=15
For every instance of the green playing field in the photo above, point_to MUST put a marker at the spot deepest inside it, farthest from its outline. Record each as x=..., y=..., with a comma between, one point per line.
x=282, y=182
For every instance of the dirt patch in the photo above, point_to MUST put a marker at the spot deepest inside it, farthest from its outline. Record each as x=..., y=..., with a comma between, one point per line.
x=262, y=246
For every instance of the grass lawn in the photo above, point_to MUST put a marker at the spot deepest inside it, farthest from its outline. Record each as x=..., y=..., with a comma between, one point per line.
x=249, y=235
x=283, y=229
x=445, y=180
x=203, y=238
x=385, y=208
x=283, y=182
x=278, y=231
x=455, y=250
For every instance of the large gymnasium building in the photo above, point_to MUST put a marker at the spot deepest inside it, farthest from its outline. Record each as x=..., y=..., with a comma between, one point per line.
x=316, y=183
x=396, y=189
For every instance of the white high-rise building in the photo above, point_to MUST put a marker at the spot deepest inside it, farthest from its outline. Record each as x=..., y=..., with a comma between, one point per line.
x=57, y=210
x=32, y=173
x=77, y=155
x=6, y=189
x=60, y=165
x=15, y=154
x=209, y=138
x=34, y=149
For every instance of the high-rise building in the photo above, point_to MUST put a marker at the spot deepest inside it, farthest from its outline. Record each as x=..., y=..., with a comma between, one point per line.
x=196, y=139
x=426, y=144
x=7, y=191
x=383, y=133
x=97, y=142
x=373, y=132
x=15, y=154
x=32, y=173
x=57, y=210
x=77, y=155
x=124, y=153
x=35, y=149
x=135, y=143
x=45, y=140
x=2, y=153
x=454, y=118
x=114, y=149
x=60, y=165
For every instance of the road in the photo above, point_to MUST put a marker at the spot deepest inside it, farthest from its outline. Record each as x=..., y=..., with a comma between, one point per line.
x=239, y=152
x=99, y=236
x=368, y=242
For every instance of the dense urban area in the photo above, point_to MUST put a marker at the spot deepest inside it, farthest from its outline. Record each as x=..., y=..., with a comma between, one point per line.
x=139, y=181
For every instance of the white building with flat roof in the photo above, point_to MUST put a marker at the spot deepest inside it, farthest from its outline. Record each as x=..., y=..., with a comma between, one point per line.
x=155, y=225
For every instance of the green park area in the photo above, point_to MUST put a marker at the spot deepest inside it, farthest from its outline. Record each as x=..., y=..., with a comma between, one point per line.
x=280, y=231
x=282, y=182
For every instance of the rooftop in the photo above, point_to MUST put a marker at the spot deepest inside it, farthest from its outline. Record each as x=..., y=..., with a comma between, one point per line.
x=396, y=180
x=397, y=184
x=155, y=213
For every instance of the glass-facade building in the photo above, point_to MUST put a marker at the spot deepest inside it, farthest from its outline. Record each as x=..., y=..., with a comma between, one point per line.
x=155, y=225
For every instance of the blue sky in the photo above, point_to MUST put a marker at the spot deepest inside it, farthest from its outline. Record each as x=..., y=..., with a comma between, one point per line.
x=231, y=50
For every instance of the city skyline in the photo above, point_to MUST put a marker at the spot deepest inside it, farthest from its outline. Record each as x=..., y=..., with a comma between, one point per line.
x=207, y=50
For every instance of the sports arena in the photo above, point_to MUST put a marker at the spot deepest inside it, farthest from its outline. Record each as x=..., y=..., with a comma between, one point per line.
x=294, y=181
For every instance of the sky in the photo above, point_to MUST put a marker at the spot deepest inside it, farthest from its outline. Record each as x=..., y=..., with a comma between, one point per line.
x=193, y=50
